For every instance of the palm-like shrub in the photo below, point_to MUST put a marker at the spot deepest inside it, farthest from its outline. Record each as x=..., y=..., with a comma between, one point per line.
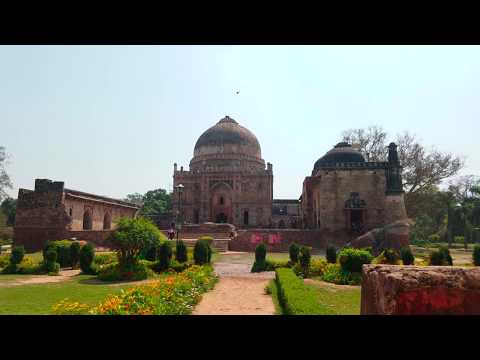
x=331, y=254
x=202, y=252
x=441, y=257
x=476, y=255
x=87, y=255
x=18, y=252
x=74, y=253
x=407, y=256
x=164, y=255
x=181, y=254
x=260, y=263
x=293, y=251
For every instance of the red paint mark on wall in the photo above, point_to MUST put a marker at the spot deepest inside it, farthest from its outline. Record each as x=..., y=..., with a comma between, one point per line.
x=438, y=300
x=256, y=238
x=274, y=239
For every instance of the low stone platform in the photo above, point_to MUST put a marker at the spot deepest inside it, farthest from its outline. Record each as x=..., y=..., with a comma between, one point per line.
x=420, y=290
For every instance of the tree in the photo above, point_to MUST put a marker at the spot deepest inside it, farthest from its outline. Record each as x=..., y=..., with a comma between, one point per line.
x=135, y=198
x=9, y=208
x=132, y=236
x=422, y=168
x=4, y=178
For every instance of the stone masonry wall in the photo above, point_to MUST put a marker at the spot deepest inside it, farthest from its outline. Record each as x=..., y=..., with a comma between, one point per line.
x=415, y=290
x=279, y=240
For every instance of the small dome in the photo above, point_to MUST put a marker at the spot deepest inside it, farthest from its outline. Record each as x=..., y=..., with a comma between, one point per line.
x=342, y=153
x=227, y=133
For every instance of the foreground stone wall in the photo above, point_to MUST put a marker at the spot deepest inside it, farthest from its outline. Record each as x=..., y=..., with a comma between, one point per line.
x=415, y=290
x=279, y=240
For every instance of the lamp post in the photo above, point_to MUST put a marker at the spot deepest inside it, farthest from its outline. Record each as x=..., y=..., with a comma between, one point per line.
x=179, y=188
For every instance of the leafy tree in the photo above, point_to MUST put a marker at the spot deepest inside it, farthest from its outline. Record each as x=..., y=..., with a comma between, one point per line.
x=132, y=236
x=9, y=208
x=422, y=168
x=154, y=202
x=5, y=182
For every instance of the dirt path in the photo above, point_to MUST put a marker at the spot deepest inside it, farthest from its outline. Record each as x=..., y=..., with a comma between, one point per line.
x=42, y=279
x=238, y=292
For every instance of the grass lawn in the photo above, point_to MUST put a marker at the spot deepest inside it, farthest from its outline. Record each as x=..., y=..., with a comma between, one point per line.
x=248, y=258
x=38, y=299
x=337, y=300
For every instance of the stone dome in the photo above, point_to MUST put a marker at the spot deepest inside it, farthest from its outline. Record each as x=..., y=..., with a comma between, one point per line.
x=225, y=144
x=342, y=153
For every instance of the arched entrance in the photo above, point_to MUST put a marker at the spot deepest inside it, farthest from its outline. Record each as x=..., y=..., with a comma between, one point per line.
x=221, y=218
x=355, y=211
x=221, y=203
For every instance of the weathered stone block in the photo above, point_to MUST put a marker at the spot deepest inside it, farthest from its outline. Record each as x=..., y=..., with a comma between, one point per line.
x=415, y=290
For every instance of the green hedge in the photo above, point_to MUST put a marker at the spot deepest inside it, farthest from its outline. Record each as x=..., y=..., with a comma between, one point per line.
x=295, y=298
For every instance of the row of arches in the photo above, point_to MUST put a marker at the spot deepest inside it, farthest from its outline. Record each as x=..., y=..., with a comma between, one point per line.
x=88, y=223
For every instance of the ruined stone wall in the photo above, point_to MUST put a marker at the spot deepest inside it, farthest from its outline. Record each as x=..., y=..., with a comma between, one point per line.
x=98, y=211
x=279, y=240
x=416, y=290
x=335, y=187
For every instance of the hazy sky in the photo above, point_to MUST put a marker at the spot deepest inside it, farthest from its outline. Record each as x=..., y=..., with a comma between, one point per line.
x=112, y=120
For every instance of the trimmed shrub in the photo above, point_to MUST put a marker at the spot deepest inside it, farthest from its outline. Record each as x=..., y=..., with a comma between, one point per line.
x=260, y=258
x=304, y=260
x=317, y=267
x=476, y=255
x=202, y=252
x=388, y=256
x=441, y=257
x=4, y=260
x=18, y=252
x=74, y=253
x=63, y=252
x=87, y=255
x=29, y=267
x=459, y=239
x=151, y=253
x=294, y=296
x=272, y=265
x=164, y=255
x=331, y=254
x=435, y=238
x=334, y=273
x=351, y=260
x=131, y=272
x=181, y=254
x=105, y=259
x=293, y=251
x=407, y=255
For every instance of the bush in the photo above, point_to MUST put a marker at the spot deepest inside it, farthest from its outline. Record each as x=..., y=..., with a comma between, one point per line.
x=476, y=255
x=208, y=239
x=334, y=273
x=293, y=251
x=105, y=259
x=260, y=263
x=134, y=236
x=4, y=261
x=87, y=255
x=181, y=254
x=304, y=260
x=151, y=253
x=435, y=238
x=130, y=272
x=74, y=253
x=18, y=252
x=459, y=239
x=28, y=267
x=317, y=267
x=164, y=255
x=351, y=260
x=202, y=252
x=407, y=255
x=272, y=265
x=331, y=254
x=388, y=256
x=294, y=296
x=441, y=257
x=50, y=256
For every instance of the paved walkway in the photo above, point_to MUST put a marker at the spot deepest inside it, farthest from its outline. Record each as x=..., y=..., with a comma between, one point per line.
x=238, y=291
x=42, y=279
